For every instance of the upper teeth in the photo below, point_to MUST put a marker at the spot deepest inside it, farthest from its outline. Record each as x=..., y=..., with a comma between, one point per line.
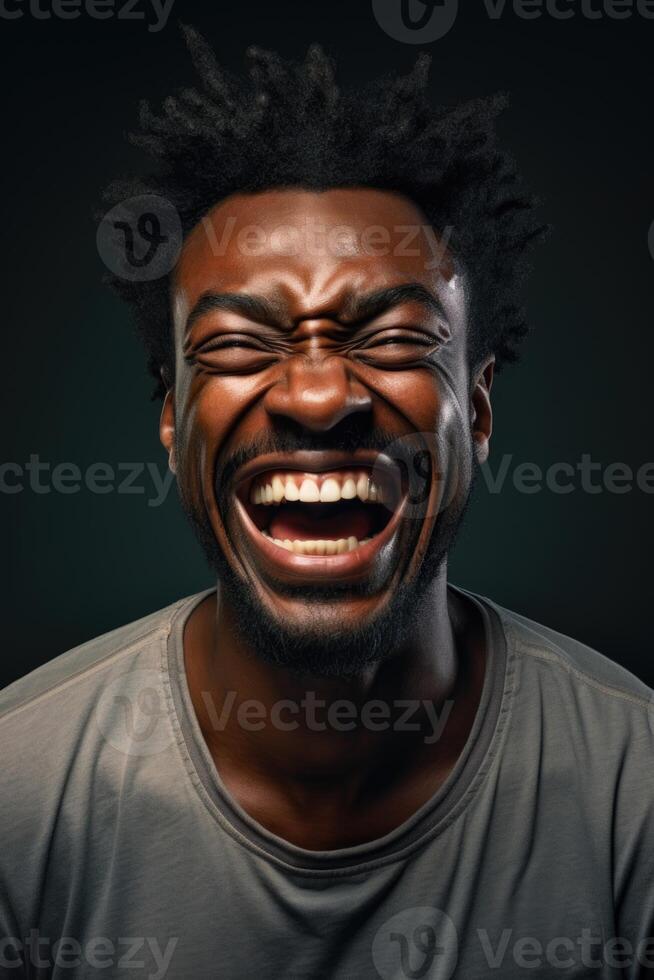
x=273, y=488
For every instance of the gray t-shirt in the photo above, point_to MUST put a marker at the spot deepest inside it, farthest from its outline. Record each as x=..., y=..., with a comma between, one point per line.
x=123, y=855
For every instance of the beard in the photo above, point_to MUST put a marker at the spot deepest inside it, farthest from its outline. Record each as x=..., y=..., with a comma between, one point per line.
x=324, y=649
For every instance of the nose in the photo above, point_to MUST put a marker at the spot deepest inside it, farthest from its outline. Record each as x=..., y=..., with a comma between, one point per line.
x=317, y=394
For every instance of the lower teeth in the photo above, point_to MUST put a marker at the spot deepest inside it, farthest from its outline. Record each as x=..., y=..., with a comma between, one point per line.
x=339, y=547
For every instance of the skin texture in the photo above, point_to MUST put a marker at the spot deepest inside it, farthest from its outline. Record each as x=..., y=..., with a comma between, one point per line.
x=319, y=369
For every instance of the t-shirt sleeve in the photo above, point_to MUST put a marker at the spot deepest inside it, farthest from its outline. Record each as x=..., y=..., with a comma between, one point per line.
x=633, y=856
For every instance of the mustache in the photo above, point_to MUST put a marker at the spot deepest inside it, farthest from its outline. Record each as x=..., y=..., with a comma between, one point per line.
x=347, y=438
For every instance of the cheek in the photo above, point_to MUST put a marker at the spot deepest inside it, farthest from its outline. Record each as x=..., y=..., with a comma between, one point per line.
x=418, y=396
x=217, y=416
x=435, y=439
x=215, y=409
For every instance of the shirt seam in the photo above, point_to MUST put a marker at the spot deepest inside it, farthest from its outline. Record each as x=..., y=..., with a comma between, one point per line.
x=556, y=660
x=153, y=633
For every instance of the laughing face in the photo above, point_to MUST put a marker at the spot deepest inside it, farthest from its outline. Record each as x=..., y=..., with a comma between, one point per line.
x=324, y=421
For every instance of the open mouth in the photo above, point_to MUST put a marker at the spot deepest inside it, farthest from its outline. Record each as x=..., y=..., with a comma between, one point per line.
x=320, y=513
x=322, y=516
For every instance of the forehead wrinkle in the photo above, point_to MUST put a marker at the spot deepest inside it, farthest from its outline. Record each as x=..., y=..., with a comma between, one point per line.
x=303, y=298
x=344, y=296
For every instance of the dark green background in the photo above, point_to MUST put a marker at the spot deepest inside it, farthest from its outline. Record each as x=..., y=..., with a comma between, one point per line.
x=74, y=384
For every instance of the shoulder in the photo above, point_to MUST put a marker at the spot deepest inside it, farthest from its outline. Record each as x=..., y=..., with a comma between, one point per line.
x=85, y=667
x=593, y=718
x=60, y=713
x=70, y=731
x=593, y=721
x=572, y=665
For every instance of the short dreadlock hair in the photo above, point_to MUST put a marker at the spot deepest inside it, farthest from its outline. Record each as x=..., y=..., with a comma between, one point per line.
x=288, y=125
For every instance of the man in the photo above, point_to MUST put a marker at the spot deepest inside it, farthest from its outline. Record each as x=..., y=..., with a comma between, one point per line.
x=336, y=765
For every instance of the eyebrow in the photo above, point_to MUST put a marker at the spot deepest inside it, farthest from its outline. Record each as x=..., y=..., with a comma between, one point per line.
x=370, y=305
x=245, y=304
x=356, y=308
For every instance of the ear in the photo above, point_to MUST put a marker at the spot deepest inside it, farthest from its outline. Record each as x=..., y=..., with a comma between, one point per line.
x=481, y=411
x=167, y=428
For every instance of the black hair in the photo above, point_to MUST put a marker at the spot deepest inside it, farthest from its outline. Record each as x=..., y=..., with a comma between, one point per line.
x=289, y=125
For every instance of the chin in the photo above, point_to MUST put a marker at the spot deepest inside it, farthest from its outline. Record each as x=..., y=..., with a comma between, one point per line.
x=323, y=610
x=323, y=631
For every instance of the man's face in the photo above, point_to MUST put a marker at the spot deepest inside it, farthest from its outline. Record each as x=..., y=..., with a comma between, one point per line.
x=323, y=422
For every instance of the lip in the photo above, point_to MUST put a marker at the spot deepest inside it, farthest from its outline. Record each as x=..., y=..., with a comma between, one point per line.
x=353, y=566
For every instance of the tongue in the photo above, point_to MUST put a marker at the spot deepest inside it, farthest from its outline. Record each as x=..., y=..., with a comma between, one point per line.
x=315, y=522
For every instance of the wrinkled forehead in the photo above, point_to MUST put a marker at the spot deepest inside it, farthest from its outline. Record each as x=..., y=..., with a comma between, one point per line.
x=310, y=250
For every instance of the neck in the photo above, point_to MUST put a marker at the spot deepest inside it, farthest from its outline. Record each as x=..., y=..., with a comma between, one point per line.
x=266, y=721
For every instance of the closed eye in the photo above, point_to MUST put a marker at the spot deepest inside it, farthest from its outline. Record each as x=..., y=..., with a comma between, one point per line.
x=403, y=340
x=396, y=349
x=235, y=354
x=220, y=343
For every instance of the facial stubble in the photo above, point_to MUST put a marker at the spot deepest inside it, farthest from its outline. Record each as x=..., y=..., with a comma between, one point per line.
x=326, y=648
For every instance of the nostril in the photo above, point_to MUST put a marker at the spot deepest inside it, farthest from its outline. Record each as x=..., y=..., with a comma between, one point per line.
x=317, y=407
x=317, y=394
x=320, y=417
